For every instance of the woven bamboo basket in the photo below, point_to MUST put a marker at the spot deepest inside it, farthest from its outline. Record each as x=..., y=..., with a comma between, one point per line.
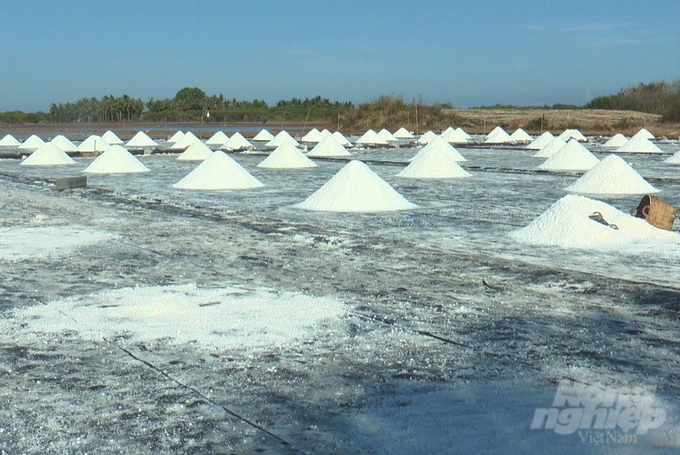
x=657, y=212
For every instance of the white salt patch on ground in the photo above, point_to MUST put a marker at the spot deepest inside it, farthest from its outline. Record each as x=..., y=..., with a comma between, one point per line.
x=51, y=241
x=197, y=151
x=112, y=138
x=218, y=172
x=433, y=163
x=48, y=154
x=287, y=156
x=116, y=160
x=611, y=177
x=356, y=188
x=571, y=157
x=222, y=318
x=566, y=224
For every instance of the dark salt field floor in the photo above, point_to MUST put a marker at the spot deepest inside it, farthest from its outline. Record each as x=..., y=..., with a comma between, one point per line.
x=424, y=358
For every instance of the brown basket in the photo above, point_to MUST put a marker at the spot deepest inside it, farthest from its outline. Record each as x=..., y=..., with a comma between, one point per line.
x=657, y=212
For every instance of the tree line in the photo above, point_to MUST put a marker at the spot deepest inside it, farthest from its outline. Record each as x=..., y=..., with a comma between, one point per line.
x=661, y=98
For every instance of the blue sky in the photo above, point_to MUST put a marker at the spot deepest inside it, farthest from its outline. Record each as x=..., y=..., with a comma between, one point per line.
x=467, y=53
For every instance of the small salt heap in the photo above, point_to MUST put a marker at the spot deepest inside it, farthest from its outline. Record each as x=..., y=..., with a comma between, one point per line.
x=141, y=141
x=218, y=172
x=111, y=138
x=218, y=139
x=287, y=156
x=237, y=143
x=9, y=141
x=328, y=147
x=639, y=144
x=93, y=144
x=521, y=137
x=48, y=154
x=32, y=143
x=573, y=157
x=567, y=224
x=616, y=140
x=550, y=148
x=541, y=141
x=176, y=137
x=426, y=138
x=433, y=163
x=281, y=138
x=64, y=144
x=441, y=144
x=403, y=133
x=675, y=159
x=611, y=177
x=263, y=136
x=371, y=139
x=197, y=151
x=341, y=139
x=116, y=160
x=355, y=188
x=188, y=139
x=453, y=136
x=498, y=136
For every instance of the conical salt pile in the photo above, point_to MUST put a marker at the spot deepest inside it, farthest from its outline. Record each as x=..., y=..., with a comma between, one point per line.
x=287, y=156
x=263, y=136
x=64, y=144
x=616, y=140
x=93, y=144
x=218, y=139
x=116, y=160
x=328, y=147
x=188, y=139
x=521, y=136
x=176, y=137
x=32, y=143
x=645, y=133
x=281, y=138
x=426, y=138
x=111, y=138
x=439, y=143
x=611, y=177
x=639, y=144
x=48, y=154
x=385, y=134
x=433, y=163
x=314, y=136
x=567, y=224
x=403, y=133
x=355, y=188
x=462, y=131
x=341, y=139
x=571, y=133
x=541, y=141
x=498, y=136
x=573, y=157
x=141, y=140
x=371, y=139
x=675, y=159
x=216, y=173
x=453, y=136
x=237, y=143
x=550, y=148
x=197, y=151
x=9, y=141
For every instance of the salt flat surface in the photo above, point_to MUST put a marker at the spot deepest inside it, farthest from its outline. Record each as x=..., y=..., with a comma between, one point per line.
x=48, y=241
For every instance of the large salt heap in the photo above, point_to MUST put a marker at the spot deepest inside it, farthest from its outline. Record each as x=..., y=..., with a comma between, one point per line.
x=371, y=139
x=426, y=138
x=550, y=148
x=188, y=139
x=93, y=144
x=64, y=144
x=433, y=163
x=263, y=136
x=341, y=139
x=281, y=138
x=32, y=143
x=355, y=188
x=645, y=133
x=116, y=160
x=237, y=143
x=573, y=157
x=141, y=141
x=639, y=144
x=328, y=147
x=439, y=143
x=521, y=137
x=287, y=156
x=48, y=154
x=611, y=177
x=567, y=224
x=218, y=172
x=541, y=141
x=616, y=140
x=218, y=139
x=112, y=138
x=498, y=136
x=9, y=141
x=197, y=151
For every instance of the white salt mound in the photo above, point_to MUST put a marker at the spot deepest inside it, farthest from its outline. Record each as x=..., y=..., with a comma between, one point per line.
x=176, y=137
x=566, y=224
x=112, y=138
x=314, y=136
x=230, y=317
x=237, y=143
x=616, y=140
x=675, y=159
x=371, y=139
x=426, y=138
x=197, y=151
x=116, y=160
x=219, y=138
x=355, y=188
x=328, y=147
x=263, y=136
x=141, y=140
x=434, y=163
x=521, y=136
x=281, y=138
x=93, y=144
x=9, y=141
x=32, y=143
x=341, y=139
x=498, y=136
x=385, y=134
x=645, y=133
x=573, y=157
x=218, y=172
x=639, y=144
x=403, y=133
x=439, y=143
x=188, y=139
x=611, y=177
x=550, y=148
x=48, y=155
x=64, y=144
x=454, y=136
x=541, y=141
x=287, y=156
